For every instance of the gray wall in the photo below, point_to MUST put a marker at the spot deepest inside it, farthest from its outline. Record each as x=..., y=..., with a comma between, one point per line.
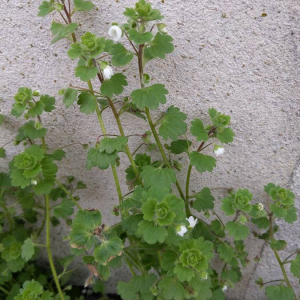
x=244, y=65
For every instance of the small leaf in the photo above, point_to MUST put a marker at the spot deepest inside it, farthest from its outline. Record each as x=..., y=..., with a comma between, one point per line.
x=111, y=145
x=152, y=233
x=139, y=38
x=261, y=223
x=45, y=8
x=48, y=103
x=226, y=136
x=81, y=5
x=58, y=155
x=60, y=31
x=202, y=162
x=114, y=85
x=198, y=130
x=150, y=96
x=295, y=267
x=204, y=200
x=279, y=292
x=64, y=209
x=108, y=250
x=161, y=45
x=120, y=55
x=87, y=103
x=70, y=96
x=32, y=132
x=96, y=158
x=86, y=73
x=172, y=124
x=226, y=252
x=237, y=230
x=27, y=249
x=278, y=245
x=2, y=153
x=180, y=146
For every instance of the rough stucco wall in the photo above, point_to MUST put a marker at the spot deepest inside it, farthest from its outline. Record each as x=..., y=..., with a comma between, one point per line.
x=244, y=65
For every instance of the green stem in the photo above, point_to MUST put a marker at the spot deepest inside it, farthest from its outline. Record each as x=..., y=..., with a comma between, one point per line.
x=48, y=247
x=4, y=290
x=187, y=186
x=69, y=194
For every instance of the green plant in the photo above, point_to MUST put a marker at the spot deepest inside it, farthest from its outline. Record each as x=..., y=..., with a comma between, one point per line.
x=166, y=235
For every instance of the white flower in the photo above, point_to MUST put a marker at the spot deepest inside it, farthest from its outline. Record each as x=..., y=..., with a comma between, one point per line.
x=164, y=30
x=115, y=32
x=224, y=288
x=260, y=206
x=192, y=221
x=182, y=230
x=108, y=72
x=219, y=150
x=33, y=182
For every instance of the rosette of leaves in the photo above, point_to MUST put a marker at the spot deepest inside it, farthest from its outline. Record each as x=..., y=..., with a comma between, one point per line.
x=158, y=215
x=22, y=98
x=33, y=290
x=238, y=201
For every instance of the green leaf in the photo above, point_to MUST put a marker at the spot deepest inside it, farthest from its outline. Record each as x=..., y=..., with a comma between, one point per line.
x=279, y=212
x=30, y=130
x=172, y=289
x=114, y=85
x=204, y=200
x=2, y=153
x=83, y=227
x=2, y=118
x=64, y=209
x=45, y=8
x=180, y=146
x=160, y=177
x=295, y=267
x=60, y=31
x=81, y=5
x=48, y=103
x=218, y=295
x=86, y=73
x=172, y=124
x=237, y=230
x=70, y=96
x=96, y=158
x=36, y=110
x=150, y=96
x=226, y=252
x=111, y=145
x=58, y=155
x=226, y=136
x=261, y=223
x=291, y=215
x=278, y=245
x=202, y=162
x=108, y=250
x=198, y=130
x=161, y=45
x=234, y=274
x=152, y=233
x=120, y=55
x=140, y=38
x=279, y=292
x=87, y=103
x=227, y=208
x=27, y=249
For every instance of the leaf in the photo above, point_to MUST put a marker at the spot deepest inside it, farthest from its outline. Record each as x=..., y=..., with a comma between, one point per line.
x=160, y=177
x=64, y=209
x=87, y=103
x=218, y=295
x=261, y=223
x=2, y=118
x=150, y=96
x=81, y=5
x=295, y=267
x=36, y=110
x=32, y=132
x=111, y=145
x=48, y=102
x=83, y=227
x=45, y=8
x=161, y=45
x=172, y=124
x=2, y=153
x=70, y=96
x=86, y=73
x=237, y=230
x=202, y=162
x=27, y=249
x=152, y=233
x=168, y=260
x=58, y=155
x=204, y=200
x=226, y=136
x=180, y=146
x=60, y=31
x=226, y=252
x=96, y=158
x=234, y=274
x=279, y=292
x=140, y=38
x=108, y=250
x=198, y=130
x=279, y=212
x=291, y=215
x=120, y=55
x=172, y=289
x=114, y=85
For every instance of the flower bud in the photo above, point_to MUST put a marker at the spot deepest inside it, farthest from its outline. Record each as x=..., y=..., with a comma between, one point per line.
x=36, y=93
x=115, y=32
x=243, y=219
x=162, y=28
x=218, y=150
x=33, y=182
x=108, y=72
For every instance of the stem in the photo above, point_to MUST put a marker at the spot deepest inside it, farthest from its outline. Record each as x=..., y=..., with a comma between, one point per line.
x=48, y=247
x=69, y=194
x=4, y=290
x=296, y=252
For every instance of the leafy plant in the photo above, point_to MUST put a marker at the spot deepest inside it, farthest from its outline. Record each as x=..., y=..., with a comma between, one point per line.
x=166, y=235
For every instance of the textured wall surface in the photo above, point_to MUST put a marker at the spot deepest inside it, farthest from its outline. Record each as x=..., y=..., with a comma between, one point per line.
x=242, y=64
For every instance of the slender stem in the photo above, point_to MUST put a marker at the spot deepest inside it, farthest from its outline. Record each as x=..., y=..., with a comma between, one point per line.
x=69, y=194
x=4, y=290
x=187, y=185
x=271, y=281
x=48, y=247
x=296, y=252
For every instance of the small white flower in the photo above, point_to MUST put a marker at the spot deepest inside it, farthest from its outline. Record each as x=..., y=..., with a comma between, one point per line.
x=33, y=182
x=219, y=150
x=108, y=72
x=260, y=206
x=115, y=32
x=192, y=221
x=182, y=230
x=164, y=30
x=224, y=288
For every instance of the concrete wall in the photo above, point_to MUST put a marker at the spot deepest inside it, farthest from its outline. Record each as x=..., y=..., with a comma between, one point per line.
x=244, y=65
